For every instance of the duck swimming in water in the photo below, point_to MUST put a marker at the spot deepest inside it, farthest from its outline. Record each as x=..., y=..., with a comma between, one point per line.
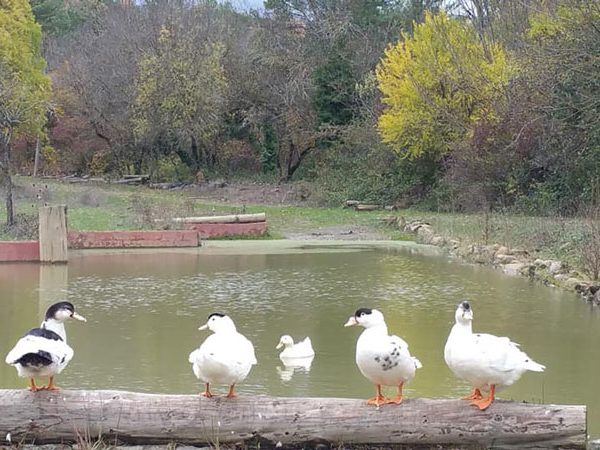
x=302, y=349
x=383, y=359
x=486, y=361
x=225, y=357
x=43, y=352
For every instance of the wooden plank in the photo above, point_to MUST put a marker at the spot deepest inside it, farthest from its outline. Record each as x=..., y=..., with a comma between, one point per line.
x=231, y=218
x=53, y=234
x=133, y=239
x=135, y=418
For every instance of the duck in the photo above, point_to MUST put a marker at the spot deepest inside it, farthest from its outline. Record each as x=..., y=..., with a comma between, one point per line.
x=383, y=359
x=302, y=349
x=43, y=352
x=225, y=357
x=485, y=361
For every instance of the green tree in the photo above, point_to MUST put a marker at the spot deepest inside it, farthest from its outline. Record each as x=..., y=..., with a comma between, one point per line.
x=561, y=66
x=24, y=88
x=59, y=17
x=437, y=84
x=180, y=95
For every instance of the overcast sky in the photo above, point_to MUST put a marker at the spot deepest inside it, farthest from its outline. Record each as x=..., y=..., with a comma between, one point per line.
x=246, y=4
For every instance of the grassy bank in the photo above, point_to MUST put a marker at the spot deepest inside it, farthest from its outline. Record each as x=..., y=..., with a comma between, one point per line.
x=116, y=207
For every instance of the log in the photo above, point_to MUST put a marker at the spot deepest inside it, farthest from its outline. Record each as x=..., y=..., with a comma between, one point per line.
x=132, y=179
x=272, y=422
x=366, y=207
x=232, y=218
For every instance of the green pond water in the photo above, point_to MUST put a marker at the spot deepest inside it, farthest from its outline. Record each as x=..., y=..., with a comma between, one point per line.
x=144, y=309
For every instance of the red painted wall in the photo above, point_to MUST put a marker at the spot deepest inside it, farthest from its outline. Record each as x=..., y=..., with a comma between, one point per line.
x=132, y=239
x=19, y=251
x=208, y=230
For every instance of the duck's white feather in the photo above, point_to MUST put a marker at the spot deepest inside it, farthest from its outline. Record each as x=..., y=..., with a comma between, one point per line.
x=57, y=352
x=485, y=359
x=385, y=359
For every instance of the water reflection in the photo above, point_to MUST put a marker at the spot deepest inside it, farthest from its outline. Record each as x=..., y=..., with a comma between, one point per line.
x=144, y=309
x=293, y=365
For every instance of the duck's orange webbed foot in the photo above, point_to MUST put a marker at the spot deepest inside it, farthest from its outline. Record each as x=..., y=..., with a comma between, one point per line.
x=475, y=395
x=33, y=387
x=379, y=399
x=231, y=394
x=398, y=398
x=51, y=386
x=484, y=403
x=206, y=392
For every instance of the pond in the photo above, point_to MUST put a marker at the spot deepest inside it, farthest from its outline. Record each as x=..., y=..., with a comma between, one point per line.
x=144, y=309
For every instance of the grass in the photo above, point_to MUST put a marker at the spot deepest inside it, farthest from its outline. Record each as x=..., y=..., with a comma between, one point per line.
x=117, y=207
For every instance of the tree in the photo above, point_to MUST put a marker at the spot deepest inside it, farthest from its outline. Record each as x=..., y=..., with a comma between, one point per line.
x=436, y=84
x=560, y=68
x=24, y=88
x=180, y=92
x=59, y=17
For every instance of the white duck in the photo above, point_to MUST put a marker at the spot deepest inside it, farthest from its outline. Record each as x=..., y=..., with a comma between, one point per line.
x=383, y=359
x=43, y=352
x=302, y=349
x=225, y=357
x=487, y=362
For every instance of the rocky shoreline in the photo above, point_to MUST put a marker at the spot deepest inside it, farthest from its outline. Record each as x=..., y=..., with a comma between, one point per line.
x=512, y=261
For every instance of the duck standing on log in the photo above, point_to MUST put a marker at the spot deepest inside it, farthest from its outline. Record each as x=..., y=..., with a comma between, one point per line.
x=43, y=352
x=383, y=359
x=225, y=357
x=486, y=361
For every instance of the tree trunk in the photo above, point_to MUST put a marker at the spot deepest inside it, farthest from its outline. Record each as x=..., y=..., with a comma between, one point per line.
x=36, y=160
x=5, y=143
x=272, y=422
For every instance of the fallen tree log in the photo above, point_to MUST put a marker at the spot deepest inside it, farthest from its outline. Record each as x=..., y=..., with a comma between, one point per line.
x=268, y=422
x=231, y=218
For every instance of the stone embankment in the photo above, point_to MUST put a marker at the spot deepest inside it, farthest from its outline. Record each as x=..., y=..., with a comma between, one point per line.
x=512, y=261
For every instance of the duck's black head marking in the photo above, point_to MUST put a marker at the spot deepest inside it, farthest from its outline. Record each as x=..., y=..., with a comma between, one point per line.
x=362, y=311
x=51, y=312
x=217, y=314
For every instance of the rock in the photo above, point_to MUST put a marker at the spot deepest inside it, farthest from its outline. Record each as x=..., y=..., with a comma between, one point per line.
x=453, y=243
x=583, y=288
x=519, y=252
x=438, y=240
x=513, y=268
x=555, y=267
x=572, y=282
x=425, y=233
x=503, y=250
x=501, y=258
x=528, y=270
x=540, y=263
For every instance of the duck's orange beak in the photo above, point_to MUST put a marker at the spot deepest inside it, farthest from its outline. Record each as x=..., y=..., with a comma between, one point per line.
x=351, y=322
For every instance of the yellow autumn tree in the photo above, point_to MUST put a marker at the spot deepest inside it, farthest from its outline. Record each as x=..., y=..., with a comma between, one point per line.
x=24, y=88
x=437, y=84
